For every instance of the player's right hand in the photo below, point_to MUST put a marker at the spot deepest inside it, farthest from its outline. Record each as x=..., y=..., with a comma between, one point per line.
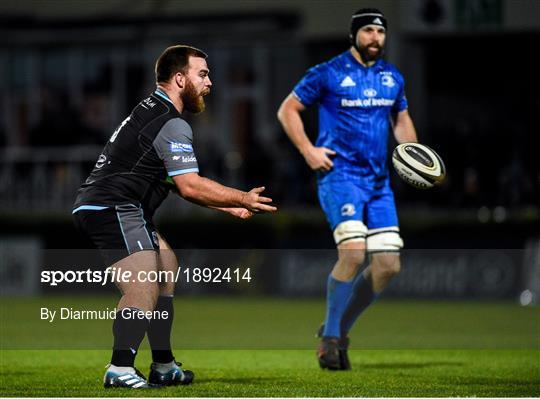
x=256, y=203
x=318, y=158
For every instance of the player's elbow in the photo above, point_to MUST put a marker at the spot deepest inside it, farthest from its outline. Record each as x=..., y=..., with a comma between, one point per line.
x=281, y=113
x=286, y=110
x=187, y=186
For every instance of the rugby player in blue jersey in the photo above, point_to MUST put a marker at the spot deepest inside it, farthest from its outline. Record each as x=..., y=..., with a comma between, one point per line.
x=360, y=98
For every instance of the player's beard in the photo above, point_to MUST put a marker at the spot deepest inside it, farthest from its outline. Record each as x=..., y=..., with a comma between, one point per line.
x=367, y=56
x=193, y=101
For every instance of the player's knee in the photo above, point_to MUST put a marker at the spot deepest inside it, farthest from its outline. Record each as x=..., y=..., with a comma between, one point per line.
x=166, y=288
x=386, y=266
x=351, y=258
x=350, y=237
x=349, y=262
x=148, y=295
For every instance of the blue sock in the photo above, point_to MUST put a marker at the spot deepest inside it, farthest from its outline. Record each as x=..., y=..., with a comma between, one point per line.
x=337, y=294
x=361, y=297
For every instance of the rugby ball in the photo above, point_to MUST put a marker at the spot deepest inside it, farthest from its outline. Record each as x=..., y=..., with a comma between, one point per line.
x=418, y=165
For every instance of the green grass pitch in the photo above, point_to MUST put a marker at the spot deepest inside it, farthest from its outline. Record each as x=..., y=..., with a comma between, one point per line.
x=266, y=347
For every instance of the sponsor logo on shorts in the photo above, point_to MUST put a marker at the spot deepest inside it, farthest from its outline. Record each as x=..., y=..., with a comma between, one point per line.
x=348, y=210
x=181, y=147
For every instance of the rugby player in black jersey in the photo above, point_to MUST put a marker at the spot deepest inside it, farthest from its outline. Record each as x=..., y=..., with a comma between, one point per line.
x=115, y=206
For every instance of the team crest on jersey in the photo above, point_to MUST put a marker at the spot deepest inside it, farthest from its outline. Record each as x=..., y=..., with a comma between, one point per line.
x=347, y=82
x=348, y=210
x=388, y=80
x=181, y=147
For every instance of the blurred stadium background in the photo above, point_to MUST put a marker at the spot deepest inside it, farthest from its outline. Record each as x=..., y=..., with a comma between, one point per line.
x=72, y=70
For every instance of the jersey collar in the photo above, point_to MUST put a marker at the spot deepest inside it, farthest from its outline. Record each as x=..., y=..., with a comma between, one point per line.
x=163, y=95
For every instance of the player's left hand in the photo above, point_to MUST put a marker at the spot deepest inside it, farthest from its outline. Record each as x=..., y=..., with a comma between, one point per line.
x=241, y=213
x=318, y=158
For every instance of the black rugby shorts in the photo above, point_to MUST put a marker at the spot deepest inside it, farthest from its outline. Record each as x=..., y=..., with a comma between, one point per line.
x=118, y=231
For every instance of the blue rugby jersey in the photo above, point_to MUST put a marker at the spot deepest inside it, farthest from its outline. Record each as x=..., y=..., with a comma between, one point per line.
x=355, y=107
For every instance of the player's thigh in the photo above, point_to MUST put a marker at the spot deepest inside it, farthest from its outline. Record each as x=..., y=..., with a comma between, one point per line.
x=381, y=209
x=383, y=236
x=118, y=231
x=343, y=204
x=142, y=267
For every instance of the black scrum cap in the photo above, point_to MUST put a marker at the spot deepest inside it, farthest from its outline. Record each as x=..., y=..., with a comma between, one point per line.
x=363, y=17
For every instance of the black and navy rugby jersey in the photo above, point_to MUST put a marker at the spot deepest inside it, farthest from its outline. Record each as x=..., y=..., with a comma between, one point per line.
x=152, y=143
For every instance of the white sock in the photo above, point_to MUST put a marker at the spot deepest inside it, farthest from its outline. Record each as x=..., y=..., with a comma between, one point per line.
x=121, y=370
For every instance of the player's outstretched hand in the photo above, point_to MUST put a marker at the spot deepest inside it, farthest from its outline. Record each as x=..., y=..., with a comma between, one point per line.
x=241, y=213
x=255, y=202
x=318, y=158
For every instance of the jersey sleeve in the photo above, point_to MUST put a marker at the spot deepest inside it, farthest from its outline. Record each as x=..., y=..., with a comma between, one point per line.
x=174, y=146
x=312, y=86
x=401, y=103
